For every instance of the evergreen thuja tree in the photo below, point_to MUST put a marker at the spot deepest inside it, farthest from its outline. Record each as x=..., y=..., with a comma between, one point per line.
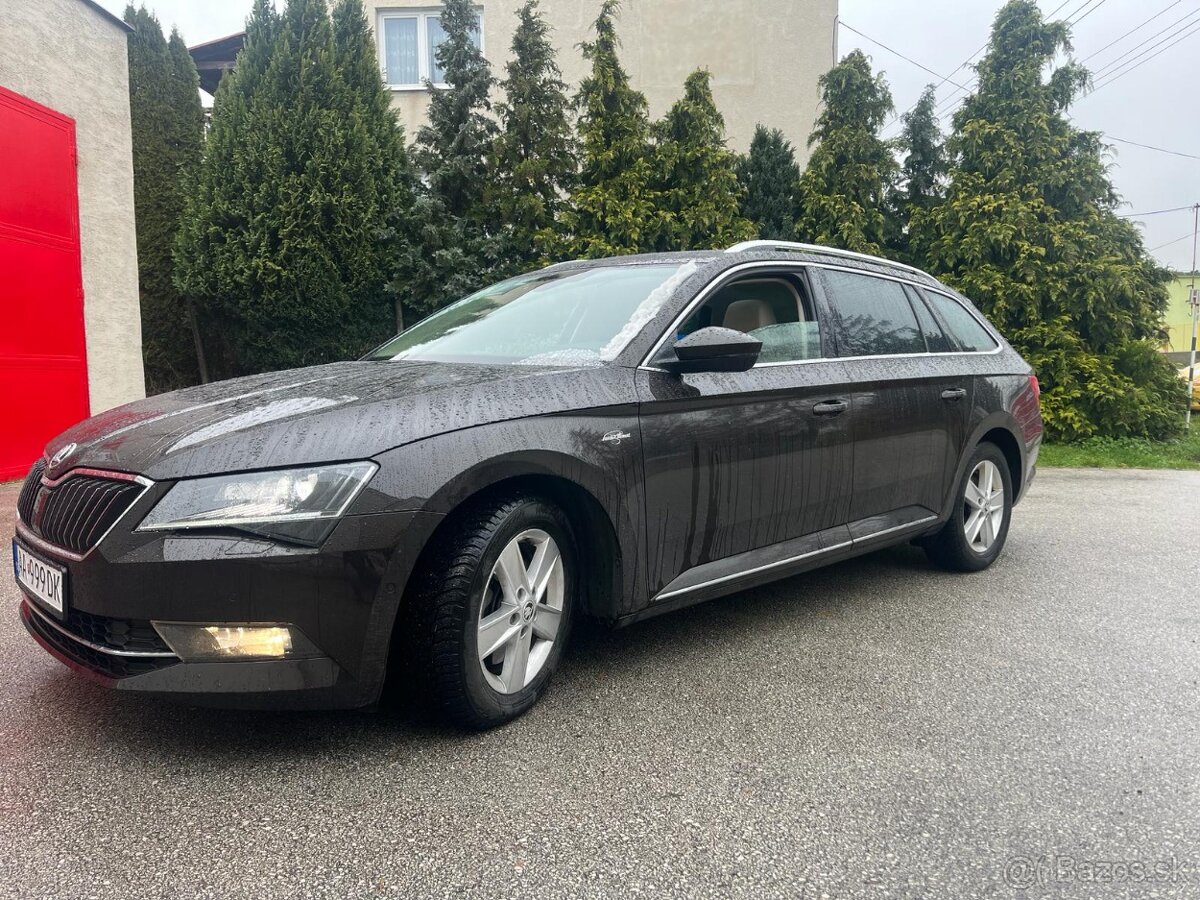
x=768, y=175
x=923, y=172
x=535, y=152
x=450, y=242
x=168, y=132
x=387, y=175
x=215, y=243
x=1029, y=231
x=844, y=191
x=300, y=255
x=614, y=208
x=697, y=176
x=454, y=149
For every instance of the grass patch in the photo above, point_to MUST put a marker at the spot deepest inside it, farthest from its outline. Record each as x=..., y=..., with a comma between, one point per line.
x=1125, y=453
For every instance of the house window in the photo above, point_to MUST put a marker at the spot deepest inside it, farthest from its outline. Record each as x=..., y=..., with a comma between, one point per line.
x=408, y=43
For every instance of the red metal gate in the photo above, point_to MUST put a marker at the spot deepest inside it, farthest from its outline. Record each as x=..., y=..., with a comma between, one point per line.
x=43, y=357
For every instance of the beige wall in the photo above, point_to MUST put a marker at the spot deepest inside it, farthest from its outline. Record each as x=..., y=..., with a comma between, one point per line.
x=67, y=55
x=765, y=55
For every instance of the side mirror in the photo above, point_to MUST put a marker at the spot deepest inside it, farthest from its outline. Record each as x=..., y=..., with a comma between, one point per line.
x=712, y=350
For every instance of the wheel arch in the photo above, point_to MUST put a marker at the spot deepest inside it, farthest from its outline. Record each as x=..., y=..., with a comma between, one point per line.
x=1011, y=448
x=595, y=536
x=1000, y=429
x=595, y=533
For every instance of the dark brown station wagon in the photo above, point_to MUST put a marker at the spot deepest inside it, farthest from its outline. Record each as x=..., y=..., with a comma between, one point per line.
x=616, y=439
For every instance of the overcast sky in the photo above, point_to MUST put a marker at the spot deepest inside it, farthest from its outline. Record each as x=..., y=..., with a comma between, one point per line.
x=1155, y=103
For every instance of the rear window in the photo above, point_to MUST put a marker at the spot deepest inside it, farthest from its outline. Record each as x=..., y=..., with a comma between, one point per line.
x=876, y=317
x=964, y=328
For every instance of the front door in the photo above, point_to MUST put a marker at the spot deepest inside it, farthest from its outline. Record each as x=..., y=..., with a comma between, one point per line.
x=739, y=462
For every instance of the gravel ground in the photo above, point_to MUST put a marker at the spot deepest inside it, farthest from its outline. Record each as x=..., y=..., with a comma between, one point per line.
x=876, y=729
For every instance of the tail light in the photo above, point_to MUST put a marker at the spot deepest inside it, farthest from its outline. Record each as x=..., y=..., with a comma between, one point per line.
x=1035, y=387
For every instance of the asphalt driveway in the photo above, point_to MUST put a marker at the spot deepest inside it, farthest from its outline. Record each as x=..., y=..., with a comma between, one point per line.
x=877, y=729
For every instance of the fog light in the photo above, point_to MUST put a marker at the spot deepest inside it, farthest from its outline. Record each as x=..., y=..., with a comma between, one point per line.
x=210, y=642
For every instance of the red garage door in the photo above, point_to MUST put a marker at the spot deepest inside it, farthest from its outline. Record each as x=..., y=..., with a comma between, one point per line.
x=43, y=360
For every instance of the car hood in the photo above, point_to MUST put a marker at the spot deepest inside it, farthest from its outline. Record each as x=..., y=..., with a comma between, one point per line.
x=341, y=411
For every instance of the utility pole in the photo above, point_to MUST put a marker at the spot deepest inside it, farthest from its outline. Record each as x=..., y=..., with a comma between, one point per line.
x=1194, y=300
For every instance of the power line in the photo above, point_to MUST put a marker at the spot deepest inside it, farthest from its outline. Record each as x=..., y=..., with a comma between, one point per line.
x=945, y=79
x=1150, y=147
x=895, y=52
x=1186, y=237
x=1156, y=212
x=1054, y=11
x=1119, y=75
x=1089, y=12
x=1131, y=31
x=1129, y=55
x=951, y=102
x=1071, y=15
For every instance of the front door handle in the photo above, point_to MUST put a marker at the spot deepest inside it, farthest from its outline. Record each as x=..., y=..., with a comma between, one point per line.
x=954, y=393
x=830, y=408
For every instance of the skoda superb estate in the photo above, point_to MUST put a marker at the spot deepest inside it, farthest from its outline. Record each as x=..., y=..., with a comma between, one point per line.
x=615, y=439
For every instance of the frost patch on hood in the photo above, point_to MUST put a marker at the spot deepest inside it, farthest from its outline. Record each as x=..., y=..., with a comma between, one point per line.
x=569, y=357
x=260, y=415
x=646, y=311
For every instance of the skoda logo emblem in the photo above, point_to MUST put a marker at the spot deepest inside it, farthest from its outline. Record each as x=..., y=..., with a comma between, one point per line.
x=62, y=454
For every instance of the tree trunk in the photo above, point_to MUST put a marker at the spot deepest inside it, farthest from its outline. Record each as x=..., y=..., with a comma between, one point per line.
x=201, y=360
x=399, y=315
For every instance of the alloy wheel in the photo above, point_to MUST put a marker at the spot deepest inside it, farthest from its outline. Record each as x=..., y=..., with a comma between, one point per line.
x=521, y=611
x=984, y=506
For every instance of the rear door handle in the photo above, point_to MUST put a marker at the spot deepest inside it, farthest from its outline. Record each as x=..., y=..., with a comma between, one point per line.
x=954, y=393
x=830, y=408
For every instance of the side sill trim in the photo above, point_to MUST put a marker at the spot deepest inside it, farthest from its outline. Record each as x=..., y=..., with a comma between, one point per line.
x=913, y=524
x=916, y=523
x=763, y=568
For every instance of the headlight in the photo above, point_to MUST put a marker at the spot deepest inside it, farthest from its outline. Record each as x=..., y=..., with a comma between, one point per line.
x=297, y=504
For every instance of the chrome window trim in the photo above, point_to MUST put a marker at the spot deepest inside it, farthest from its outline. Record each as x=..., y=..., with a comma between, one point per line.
x=99, y=648
x=714, y=285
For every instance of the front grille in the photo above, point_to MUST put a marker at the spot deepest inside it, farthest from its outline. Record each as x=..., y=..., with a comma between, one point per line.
x=88, y=657
x=77, y=512
x=29, y=492
x=117, y=634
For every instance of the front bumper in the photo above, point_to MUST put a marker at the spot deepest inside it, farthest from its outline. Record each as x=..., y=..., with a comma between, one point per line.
x=307, y=683
x=343, y=596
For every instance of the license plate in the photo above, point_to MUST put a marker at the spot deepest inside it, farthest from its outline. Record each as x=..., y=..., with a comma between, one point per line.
x=45, y=581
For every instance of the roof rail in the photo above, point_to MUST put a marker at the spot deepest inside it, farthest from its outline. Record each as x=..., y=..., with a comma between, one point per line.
x=817, y=248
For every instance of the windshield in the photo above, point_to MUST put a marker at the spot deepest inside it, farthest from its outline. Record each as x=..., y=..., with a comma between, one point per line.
x=570, y=318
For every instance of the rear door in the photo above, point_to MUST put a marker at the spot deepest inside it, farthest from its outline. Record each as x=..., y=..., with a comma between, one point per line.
x=747, y=470
x=910, y=401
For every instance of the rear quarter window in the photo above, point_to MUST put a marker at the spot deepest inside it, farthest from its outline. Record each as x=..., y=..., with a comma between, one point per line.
x=936, y=339
x=964, y=328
